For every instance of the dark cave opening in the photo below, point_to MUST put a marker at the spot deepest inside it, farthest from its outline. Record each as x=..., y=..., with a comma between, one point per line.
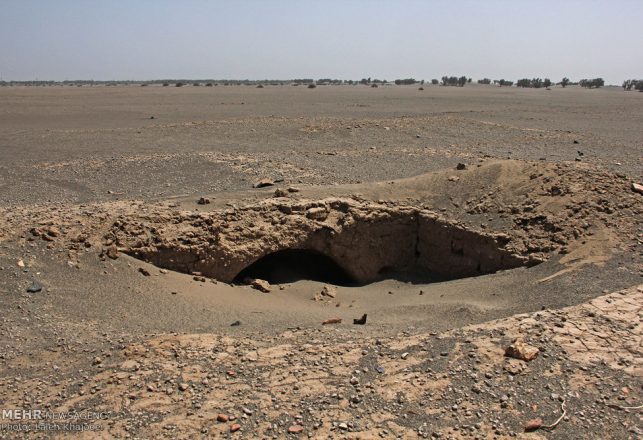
x=290, y=265
x=404, y=248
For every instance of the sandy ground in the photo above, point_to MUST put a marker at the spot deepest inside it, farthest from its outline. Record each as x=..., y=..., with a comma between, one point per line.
x=133, y=310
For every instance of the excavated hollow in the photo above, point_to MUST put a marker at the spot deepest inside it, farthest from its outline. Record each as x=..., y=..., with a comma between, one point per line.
x=337, y=241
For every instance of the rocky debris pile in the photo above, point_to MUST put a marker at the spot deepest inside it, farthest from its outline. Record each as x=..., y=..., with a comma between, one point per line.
x=559, y=205
x=48, y=233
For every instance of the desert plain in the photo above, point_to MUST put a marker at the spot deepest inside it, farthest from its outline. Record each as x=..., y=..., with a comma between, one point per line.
x=189, y=262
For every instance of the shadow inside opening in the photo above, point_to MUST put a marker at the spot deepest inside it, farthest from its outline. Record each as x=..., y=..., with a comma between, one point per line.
x=291, y=265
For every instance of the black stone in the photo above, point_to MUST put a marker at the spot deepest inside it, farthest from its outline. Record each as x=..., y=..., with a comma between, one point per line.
x=35, y=287
x=360, y=321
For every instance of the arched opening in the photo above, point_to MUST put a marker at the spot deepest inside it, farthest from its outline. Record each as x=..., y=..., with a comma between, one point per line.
x=290, y=265
x=403, y=246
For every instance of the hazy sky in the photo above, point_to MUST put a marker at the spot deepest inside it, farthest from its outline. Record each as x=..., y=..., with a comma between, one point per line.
x=348, y=39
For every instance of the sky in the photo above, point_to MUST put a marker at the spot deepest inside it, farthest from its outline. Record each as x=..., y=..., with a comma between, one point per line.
x=345, y=39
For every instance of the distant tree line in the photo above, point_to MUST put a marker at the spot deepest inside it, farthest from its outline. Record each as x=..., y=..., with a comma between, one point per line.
x=164, y=82
x=592, y=83
x=499, y=82
x=405, y=81
x=369, y=80
x=630, y=84
x=329, y=81
x=29, y=83
x=454, y=81
x=535, y=83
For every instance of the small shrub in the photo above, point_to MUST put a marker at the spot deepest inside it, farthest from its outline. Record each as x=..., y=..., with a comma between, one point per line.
x=260, y=86
x=374, y=86
x=179, y=84
x=420, y=88
x=166, y=84
x=311, y=86
x=208, y=85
